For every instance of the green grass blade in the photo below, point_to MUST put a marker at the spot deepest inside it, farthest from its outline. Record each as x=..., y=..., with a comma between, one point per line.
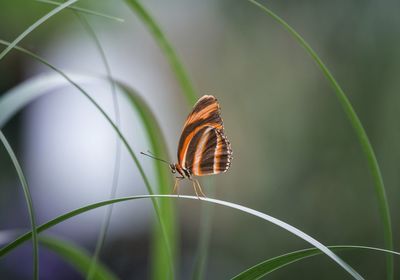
x=163, y=176
x=34, y=26
x=167, y=48
x=114, y=185
x=82, y=10
x=27, y=98
x=191, y=97
x=29, y=203
x=77, y=257
x=360, y=131
x=260, y=270
x=203, y=243
x=6, y=249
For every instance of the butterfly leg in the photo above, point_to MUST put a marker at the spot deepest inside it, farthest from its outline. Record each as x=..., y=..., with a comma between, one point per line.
x=200, y=189
x=176, y=186
x=195, y=188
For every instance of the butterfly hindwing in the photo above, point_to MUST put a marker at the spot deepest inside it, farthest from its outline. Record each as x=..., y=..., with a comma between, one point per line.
x=209, y=153
x=223, y=154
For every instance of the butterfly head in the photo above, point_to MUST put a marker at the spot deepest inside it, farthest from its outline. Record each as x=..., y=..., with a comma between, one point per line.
x=173, y=168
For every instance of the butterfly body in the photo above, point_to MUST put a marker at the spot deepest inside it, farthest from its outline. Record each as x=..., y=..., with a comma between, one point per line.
x=183, y=172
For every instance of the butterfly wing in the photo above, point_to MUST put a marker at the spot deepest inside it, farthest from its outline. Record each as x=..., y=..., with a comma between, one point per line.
x=205, y=110
x=203, y=149
x=208, y=153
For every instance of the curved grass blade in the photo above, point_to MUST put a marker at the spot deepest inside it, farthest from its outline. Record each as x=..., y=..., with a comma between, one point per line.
x=167, y=48
x=7, y=99
x=260, y=270
x=34, y=26
x=29, y=203
x=77, y=257
x=114, y=185
x=6, y=249
x=21, y=95
x=360, y=132
x=82, y=10
x=71, y=253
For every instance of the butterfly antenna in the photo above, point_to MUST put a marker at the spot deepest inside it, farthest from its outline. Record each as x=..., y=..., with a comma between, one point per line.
x=156, y=158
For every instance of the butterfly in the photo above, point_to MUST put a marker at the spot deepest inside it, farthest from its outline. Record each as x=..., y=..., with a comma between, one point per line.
x=203, y=148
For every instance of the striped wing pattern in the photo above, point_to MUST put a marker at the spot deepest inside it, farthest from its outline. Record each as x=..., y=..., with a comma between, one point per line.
x=203, y=148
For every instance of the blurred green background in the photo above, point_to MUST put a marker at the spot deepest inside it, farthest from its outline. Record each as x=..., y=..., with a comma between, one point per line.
x=296, y=157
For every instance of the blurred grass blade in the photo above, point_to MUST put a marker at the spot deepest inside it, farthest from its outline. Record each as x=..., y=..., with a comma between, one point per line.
x=157, y=142
x=9, y=235
x=191, y=97
x=34, y=26
x=270, y=265
x=167, y=48
x=360, y=131
x=82, y=10
x=26, y=96
x=207, y=211
x=29, y=203
x=115, y=178
x=17, y=98
x=6, y=249
x=77, y=257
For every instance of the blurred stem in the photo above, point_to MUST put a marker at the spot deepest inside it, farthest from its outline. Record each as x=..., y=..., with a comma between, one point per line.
x=191, y=97
x=82, y=10
x=167, y=49
x=203, y=243
x=77, y=257
x=34, y=26
x=261, y=269
x=29, y=203
x=360, y=132
x=114, y=185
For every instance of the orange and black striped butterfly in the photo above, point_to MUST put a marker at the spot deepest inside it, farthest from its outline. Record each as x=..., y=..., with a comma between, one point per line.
x=203, y=147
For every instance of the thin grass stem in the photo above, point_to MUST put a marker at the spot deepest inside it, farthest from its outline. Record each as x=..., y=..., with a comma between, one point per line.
x=373, y=165
x=166, y=47
x=114, y=185
x=261, y=269
x=34, y=26
x=29, y=203
x=82, y=10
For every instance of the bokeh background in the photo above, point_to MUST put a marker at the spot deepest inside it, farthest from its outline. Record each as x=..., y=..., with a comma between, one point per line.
x=296, y=157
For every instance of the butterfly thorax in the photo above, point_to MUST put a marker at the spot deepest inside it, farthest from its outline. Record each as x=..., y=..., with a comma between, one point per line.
x=182, y=171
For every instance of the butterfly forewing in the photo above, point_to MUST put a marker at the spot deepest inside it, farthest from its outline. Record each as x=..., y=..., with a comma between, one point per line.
x=205, y=113
x=206, y=109
x=203, y=148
